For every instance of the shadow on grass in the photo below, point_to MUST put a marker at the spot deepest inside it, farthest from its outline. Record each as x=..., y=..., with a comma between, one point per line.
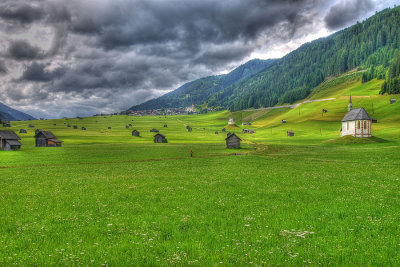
x=350, y=140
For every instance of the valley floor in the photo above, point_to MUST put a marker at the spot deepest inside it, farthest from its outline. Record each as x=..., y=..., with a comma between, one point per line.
x=107, y=198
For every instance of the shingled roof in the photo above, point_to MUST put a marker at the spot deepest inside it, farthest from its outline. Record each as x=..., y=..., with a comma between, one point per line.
x=9, y=135
x=356, y=114
x=48, y=135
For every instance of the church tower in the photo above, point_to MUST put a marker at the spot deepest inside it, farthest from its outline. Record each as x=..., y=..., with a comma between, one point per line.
x=350, y=106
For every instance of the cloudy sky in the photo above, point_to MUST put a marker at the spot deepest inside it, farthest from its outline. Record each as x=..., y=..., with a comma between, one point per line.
x=81, y=57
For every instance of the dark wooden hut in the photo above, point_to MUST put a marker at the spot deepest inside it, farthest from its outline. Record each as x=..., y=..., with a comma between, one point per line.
x=127, y=126
x=75, y=127
x=245, y=131
x=290, y=133
x=47, y=139
x=6, y=124
x=68, y=125
x=22, y=131
x=283, y=121
x=135, y=133
x=109, y=128
x=165, y=126
x=54, y=124
x=83, y=128
x=130, y=125
x=9, y=141
x=37, y=131
x=159, y=138
x=373, y=120
x=31, y=126
x=232, y=141
x=154, y=130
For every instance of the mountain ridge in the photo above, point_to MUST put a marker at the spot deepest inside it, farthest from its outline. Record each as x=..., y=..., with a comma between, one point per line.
x=371, y=44
x=10, y=114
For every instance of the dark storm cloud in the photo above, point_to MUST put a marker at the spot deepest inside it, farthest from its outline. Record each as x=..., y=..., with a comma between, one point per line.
x=36, y=72
x=347, y=11
x=3, y=69
x=80, y=57
x=22, y=50
x=20, y=11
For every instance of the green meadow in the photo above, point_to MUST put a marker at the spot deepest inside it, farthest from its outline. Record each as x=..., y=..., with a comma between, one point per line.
x=108, y=198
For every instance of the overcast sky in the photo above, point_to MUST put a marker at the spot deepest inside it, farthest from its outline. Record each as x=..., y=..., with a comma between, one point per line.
x=81, y=57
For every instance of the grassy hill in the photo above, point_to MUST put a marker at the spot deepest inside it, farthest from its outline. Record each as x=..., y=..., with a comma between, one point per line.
x=107, y=198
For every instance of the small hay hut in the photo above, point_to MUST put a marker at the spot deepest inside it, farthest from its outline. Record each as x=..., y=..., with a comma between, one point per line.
x=135, y=133
x=159, y=138
x=9, y=141
x=290, y=133
x=232, y=141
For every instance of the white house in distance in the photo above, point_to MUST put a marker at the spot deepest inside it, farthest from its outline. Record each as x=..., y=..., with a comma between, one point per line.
x=356, y=122
x=231, y=121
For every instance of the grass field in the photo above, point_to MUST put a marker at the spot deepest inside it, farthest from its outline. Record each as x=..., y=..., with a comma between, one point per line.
x=107, y=198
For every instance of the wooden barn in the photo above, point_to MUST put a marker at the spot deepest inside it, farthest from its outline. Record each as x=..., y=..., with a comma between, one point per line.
x=47, y=139
x=290, y=133
x=159, y=138
x=22, y=131
x=9, y=141
x=154, y=130
x=232, y=141
x=135, y=133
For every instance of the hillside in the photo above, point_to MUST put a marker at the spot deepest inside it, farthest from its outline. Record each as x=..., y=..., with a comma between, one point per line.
x=199, y=90
x=371, y=45
x=10, y=114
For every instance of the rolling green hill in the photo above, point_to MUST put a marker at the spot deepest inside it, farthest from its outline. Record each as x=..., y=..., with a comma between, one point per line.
x=370, y=45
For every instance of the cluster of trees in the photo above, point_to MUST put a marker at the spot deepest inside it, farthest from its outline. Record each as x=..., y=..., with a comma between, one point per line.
x=392, y=82
x=371, y=45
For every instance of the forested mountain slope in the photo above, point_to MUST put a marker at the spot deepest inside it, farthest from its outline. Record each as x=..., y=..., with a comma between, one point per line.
x=371, y=44
x=200, y=90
